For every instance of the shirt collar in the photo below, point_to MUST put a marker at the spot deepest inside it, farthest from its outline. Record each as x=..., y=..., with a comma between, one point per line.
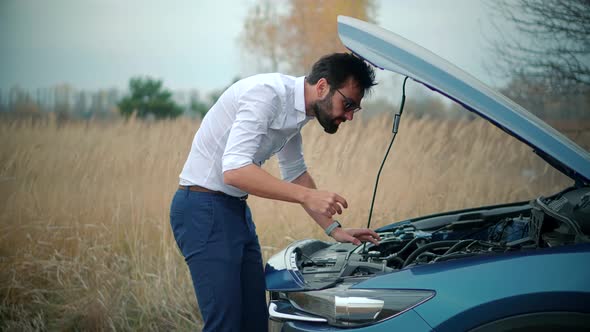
x=299, y=100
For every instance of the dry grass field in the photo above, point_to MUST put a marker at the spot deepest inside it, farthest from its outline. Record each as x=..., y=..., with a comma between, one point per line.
x=85, y=242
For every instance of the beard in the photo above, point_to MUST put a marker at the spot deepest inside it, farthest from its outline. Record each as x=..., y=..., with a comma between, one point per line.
x=321, y=110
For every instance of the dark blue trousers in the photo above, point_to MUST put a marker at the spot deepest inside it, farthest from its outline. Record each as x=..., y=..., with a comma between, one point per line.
x=217, y=237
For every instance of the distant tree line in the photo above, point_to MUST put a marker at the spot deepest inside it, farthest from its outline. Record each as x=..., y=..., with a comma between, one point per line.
x=147, y=98
x=62, y=98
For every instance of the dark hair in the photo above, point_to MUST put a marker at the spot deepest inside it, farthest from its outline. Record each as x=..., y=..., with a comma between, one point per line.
x=337, y=68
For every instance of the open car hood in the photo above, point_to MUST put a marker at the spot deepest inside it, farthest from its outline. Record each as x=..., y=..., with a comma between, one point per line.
x=386, y=50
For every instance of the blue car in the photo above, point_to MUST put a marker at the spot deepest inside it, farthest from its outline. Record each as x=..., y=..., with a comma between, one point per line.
x=522, y=266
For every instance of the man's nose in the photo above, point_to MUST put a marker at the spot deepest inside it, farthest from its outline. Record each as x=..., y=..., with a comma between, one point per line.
x=349, y=115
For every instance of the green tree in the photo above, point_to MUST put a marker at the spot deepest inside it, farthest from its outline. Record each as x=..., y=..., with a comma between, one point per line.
x=147, y=96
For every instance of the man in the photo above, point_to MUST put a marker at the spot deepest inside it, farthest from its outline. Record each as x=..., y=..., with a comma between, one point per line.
x=252, y=120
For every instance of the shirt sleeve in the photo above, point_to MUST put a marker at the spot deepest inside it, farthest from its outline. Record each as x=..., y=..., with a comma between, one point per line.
x=256, y=109
x=291, y=159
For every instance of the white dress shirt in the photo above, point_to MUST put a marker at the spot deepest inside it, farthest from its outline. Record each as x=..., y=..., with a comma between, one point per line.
x=252, y=120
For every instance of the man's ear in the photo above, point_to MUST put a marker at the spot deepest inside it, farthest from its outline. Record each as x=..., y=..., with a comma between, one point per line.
x=322, y=88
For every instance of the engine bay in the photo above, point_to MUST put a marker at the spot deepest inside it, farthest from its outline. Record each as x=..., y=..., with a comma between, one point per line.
x=562, y=219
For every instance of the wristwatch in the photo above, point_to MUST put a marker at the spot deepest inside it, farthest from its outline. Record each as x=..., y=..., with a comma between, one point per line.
x=332, y=227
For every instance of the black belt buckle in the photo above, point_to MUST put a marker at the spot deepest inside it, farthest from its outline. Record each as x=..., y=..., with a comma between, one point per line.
x=243, y=198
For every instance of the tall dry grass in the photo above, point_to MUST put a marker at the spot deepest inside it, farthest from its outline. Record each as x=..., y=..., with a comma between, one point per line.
x=85, y=242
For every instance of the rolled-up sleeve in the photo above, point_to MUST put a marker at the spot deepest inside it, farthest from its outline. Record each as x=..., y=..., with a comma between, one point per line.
x=256, y=108
x=291, y=159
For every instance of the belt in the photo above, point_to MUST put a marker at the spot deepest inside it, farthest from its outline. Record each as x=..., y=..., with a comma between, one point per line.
x=205, y=190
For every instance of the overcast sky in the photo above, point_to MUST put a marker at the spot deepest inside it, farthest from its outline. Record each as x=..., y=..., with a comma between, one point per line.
x=93, y=44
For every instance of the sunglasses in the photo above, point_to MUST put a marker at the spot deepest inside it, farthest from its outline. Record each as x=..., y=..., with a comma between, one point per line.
x=349, y=104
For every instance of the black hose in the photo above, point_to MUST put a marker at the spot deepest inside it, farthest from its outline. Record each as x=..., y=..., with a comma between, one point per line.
x=427, y=254
x=429, y=246
x=458, y=246
x=454, y=256
x=395, y=258
x=408, y=245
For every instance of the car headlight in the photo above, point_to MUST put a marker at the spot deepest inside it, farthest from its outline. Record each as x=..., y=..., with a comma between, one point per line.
x=356, y=307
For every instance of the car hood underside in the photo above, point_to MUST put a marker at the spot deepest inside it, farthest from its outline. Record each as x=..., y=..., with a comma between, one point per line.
x=387, y=50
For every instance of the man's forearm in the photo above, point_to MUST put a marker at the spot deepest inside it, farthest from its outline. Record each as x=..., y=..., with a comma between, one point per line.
x=256, y=181
x=305, y=180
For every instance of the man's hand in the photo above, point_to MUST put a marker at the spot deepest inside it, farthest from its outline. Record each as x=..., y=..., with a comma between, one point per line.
x=324, y=202
x=355, y=235
x=322, y=205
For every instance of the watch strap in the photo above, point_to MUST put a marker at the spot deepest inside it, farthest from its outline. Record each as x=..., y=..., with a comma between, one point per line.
x=332, y=227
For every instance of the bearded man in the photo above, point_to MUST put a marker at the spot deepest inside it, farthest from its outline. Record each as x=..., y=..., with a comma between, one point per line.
x=254, y=119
